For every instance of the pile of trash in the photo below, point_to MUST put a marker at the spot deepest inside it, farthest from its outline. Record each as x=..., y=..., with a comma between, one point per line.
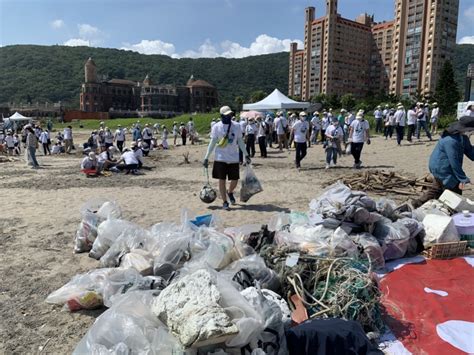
x=196, y=288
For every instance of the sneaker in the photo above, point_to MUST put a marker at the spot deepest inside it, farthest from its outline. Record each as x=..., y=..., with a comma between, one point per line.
x=333, y=164
x=328, y=166
x=225, y=206
x=231, y=197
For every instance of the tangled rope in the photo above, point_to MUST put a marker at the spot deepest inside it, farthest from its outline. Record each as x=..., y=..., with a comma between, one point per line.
x=329, y=287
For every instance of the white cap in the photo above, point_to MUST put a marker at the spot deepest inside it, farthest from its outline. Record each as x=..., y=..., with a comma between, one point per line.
x=302, y=114
x=225, y=110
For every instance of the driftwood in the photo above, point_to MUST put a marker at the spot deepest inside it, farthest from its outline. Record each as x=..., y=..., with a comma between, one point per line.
x=383, y=182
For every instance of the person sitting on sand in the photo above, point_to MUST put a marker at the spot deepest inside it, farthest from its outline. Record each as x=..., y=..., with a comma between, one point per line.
x=138, y=152
x=89, y=165
x=57, y=148
x=129, y=160
x=106, y=159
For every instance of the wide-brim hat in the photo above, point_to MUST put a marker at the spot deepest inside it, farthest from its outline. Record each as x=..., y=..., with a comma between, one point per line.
x=465, y=124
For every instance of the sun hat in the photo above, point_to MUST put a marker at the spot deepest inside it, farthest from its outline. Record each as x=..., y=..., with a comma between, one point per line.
x=225, y=110
x=465, y=124
x=303, y=114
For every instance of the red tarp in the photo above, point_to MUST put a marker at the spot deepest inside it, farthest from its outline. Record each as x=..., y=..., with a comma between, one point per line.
x=413, y=312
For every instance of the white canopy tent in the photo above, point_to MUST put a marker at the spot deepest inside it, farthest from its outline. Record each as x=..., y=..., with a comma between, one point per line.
x=276, y=101
x=19, y=117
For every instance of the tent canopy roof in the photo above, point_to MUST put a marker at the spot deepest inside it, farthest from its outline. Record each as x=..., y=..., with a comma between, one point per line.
x=276, y=101
x=19, y=117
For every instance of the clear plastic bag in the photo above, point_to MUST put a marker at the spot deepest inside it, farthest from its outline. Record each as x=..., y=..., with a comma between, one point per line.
x=86, y=233
x=250, y=184
x=107, y=233
x=386, y=207
x=372, y=249
x=341, y=245
x=138, y=259
x=129, y=327
x=202, y=308
x=312, y=240
x=395, y=238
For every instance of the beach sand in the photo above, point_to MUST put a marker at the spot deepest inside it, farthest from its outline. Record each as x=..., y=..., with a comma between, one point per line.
x=41, y=211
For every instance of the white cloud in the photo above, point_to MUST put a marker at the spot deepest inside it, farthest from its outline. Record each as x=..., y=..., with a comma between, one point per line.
x=88, y=31
x=75, y=42
x=466, y=40
x=57, y=24
x=469, y=13
x=263, y=44
x=151, y=47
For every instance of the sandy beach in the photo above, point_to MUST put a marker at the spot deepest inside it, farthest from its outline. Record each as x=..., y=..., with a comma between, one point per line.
x=41, y=211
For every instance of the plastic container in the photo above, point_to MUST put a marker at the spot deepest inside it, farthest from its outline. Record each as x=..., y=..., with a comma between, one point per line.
x=464, y=223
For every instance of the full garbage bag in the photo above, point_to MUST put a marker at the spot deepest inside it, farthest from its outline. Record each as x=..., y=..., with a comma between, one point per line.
x=129, y=327
x=202, y=308
x=249, y=270
x=250, y=184
x=439, y=229
x=86, y=232
x=312, y=240
x=341, y=245
x=138, y=259
x=371, y=249
x=99, y=287
x=107, y=232
x=271, y=340
x=395, y=238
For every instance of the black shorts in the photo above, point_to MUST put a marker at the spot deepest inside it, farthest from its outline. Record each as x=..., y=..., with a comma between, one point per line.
x=221, y=170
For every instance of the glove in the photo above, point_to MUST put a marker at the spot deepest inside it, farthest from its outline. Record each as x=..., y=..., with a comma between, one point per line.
x=205, y=163
x=247, y=160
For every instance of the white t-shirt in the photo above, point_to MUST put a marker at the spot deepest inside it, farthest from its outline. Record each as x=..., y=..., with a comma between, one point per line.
x=147, y=134
x=280, y=124
x=326, y=122
x=55, y=149
x=300, y=129
x=9, y=141
x=400, y=118
x=435, y=112
x=378, y=114
x=229, y=153
x=250, y=129
x=335, y=132
x=120, y=135
x=67, y=133
x=102, y=157
x=129, y=158
x=359, y=128
x=109, y=137
x=191, y=127
x=242, y=124
x=411, y=117
x=261, y=129
x=88, y=164
x=316, y=123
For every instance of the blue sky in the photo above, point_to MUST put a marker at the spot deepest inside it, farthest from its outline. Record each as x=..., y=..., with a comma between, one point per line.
x=181, y=28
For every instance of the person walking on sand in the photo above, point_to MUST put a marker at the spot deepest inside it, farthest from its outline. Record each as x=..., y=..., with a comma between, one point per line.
x=421, y=122
x=434, y=118
x=191, y=130
x=31, y=146
x=175, y=131
x=281, y=127
x=45, y=142
x=147, y=135
x=119, y=138
x=400, y=119
x=250, y=132
x=378, y=114
x=300, y=133
x=411, y=122
x=358, y=134
x=67, y=133
x=183, y=132
x=334, y=137
x=226, y=139
x=316, y=127
x=262, y=132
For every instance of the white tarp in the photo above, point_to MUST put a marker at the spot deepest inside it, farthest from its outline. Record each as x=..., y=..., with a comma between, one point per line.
x=276, y=101
x=19, y=117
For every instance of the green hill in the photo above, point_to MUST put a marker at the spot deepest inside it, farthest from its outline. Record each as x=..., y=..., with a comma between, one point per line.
x=55, y=73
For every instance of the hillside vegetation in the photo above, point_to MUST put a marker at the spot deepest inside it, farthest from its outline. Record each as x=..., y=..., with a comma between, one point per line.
x=55, y=73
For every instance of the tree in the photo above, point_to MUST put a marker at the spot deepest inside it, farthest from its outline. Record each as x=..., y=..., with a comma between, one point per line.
x=238, y=101
x=333, y=101
x=257, y=95
x=447, y=94
x=348, y=101
x=321, y=99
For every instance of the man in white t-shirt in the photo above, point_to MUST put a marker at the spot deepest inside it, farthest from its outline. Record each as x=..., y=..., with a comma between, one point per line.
x=68, y=139
x=147, y=134
x=191, y=130
x=281, y=127
x=9, y=142
x=120, y=138
x=300, y=132
x=434, y=118
x=378, y=114
x=316, y=125
x=262, y=130
x=130, y=161
x=400, y=120
x=411, y=122
x=358, y=134
x=334, y=138
x=226, y=138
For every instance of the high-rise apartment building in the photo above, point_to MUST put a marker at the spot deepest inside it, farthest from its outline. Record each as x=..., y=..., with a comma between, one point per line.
x=402, y=56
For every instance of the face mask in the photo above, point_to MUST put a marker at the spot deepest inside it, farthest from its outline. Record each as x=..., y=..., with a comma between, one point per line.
x=226, y=119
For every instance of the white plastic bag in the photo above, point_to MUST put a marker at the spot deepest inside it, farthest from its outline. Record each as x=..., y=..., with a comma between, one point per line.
x=250, y=184
x=349, y=148
x=107, y=232
x=86, y=232
x=129, y=327
x=439, y=229
x=395, y=238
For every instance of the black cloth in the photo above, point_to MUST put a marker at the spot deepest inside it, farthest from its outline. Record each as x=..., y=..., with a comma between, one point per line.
x=356, y=151
x=388, y=131
x=300, y=153
x=379, y=125
x=250, y=145
x=400, y=133
x=331, y=336
x=222, y=170
x=411, y=132
x=262, y=143
x=120, y=146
